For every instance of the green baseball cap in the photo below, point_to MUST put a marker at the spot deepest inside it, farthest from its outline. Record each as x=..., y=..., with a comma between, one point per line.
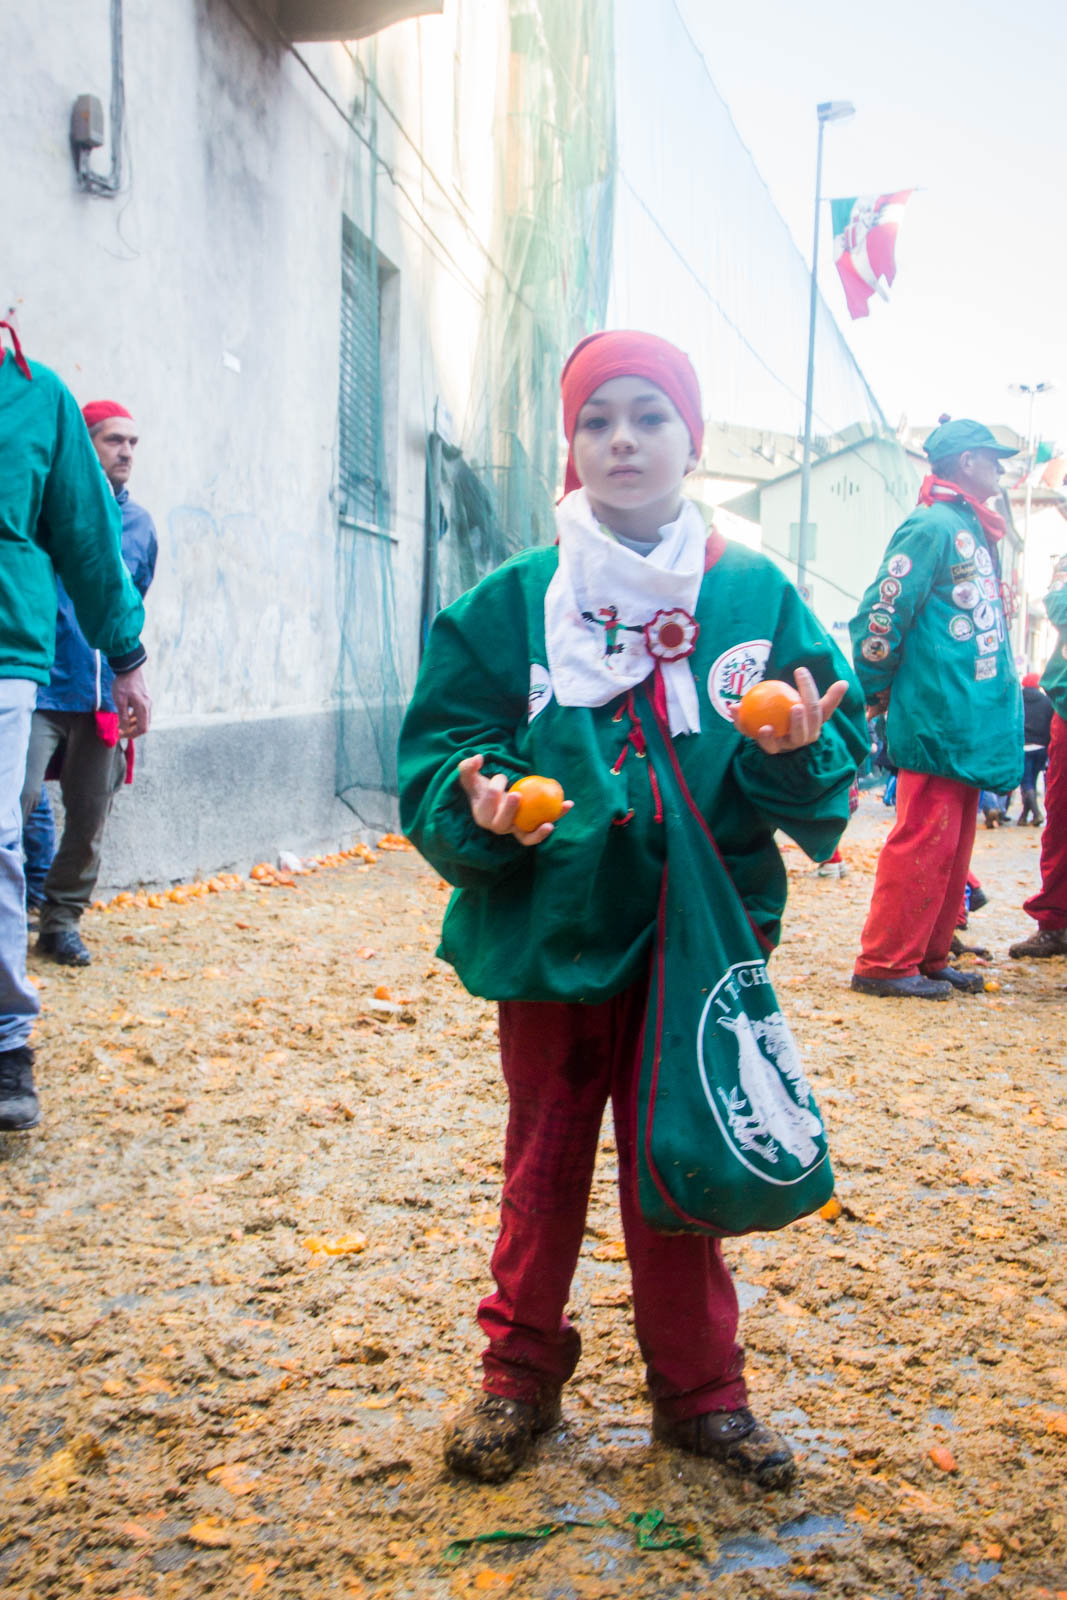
x=962, y=433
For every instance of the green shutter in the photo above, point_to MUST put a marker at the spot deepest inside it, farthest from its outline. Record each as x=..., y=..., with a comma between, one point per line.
x=360, y=486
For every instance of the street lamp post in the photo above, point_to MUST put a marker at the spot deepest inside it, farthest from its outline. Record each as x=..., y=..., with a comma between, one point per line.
x=1031, y=390
x=827, y=111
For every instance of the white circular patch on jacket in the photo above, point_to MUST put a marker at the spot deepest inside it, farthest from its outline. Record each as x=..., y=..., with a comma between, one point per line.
x=736, y=670
x=540, y=690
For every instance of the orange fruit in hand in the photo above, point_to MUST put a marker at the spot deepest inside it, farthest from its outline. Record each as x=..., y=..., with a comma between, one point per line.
x=766, y=705
x=540, y=800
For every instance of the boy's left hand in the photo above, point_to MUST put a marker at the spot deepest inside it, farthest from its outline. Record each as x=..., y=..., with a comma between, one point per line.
x=806, y=719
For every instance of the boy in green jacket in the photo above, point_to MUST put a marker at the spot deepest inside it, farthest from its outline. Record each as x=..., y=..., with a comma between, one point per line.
x=533, y=671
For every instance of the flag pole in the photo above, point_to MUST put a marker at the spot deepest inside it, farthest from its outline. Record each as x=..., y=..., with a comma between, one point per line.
x=827, y=111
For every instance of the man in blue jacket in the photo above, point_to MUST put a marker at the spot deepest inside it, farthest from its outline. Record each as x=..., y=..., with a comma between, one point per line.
x=75, y=722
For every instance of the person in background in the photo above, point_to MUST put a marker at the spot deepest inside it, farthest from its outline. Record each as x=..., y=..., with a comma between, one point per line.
x=932, y=651
x=1037, y=730
x=1049, y=906
x=75, y=725
x=57, y=514
x=38, y=848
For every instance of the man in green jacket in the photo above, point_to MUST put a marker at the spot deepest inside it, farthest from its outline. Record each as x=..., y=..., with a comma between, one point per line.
x=57, y=514
x=931, y=648
x=1049, y=906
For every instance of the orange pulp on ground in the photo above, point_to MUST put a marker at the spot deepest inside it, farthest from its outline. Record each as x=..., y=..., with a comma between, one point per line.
x=766, y=704
x=540, y=800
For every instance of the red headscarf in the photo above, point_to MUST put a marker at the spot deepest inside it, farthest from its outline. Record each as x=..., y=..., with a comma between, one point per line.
x=625, y=353
x=1031, y=680
x=98, y=411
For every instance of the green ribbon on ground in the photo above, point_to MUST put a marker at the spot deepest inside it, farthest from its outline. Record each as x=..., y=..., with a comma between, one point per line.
x=654, y=1532
x=546, y=1530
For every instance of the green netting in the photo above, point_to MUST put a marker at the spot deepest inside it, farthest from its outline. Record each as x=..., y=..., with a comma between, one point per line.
x=491, y=479
x=370, y=692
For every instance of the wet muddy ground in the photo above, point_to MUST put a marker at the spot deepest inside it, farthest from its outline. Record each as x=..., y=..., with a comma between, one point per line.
x=199, y=1398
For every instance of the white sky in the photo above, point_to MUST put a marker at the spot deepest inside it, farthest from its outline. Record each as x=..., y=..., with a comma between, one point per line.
x=967, y=103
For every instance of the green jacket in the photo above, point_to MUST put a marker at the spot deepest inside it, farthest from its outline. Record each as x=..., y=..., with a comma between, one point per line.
x=573, y=918
x=931, y=629
x=57, y=514
x=1054, y=677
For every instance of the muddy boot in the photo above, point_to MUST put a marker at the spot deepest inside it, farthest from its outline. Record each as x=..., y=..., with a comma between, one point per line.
x=1029, y=803
x=1046, y=942
x=1038, y=816
x=734, y=1438
x=992, y=817
x=19, y=1110
x=492, y=1436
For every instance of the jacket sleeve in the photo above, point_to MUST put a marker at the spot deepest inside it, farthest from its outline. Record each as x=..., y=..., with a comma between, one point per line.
x=80, y=526
x=805, y=792
x=471, y=696
x=888, y=608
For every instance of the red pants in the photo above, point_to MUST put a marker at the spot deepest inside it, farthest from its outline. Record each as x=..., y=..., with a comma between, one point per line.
x=561, y=1063
x=921, y=875
x=1049, y=906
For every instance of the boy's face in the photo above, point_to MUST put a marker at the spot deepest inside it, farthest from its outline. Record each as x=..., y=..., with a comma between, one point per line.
x=631, y=451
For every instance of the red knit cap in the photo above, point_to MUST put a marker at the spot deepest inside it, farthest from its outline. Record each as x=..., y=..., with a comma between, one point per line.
x=626, y=353
x=98, y=411
x=1031, y=680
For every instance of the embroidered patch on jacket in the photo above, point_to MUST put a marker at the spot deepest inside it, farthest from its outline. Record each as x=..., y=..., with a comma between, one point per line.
x=874, y=649
x=898, y=566
x=965, y=544
x=540, y=690
x=984, y=615
x=889, y=588
x=961, y=627
x=878, y=622
x=987, y=643
x=983, y=560
x=985, y=667
x=736, y=670
x=966, y=596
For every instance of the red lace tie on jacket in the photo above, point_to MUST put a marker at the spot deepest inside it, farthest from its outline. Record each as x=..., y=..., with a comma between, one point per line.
x=635, y=740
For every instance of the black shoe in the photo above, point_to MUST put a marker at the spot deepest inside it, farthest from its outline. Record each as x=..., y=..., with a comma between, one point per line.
x=492, y=1436
x=735, y=1438
x=64, y=946
x=979, y=898
x=19, y=1106
x=917, y=988
x=967, y=982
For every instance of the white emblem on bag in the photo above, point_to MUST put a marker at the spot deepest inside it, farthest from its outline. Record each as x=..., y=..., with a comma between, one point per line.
x=768, y=1110
x=540, y=690
x=736, y=670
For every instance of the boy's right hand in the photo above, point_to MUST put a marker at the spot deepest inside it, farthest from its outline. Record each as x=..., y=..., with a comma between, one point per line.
x=492, y=807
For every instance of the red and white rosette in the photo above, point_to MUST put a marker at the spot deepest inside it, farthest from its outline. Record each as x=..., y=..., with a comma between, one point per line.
x=672, y=635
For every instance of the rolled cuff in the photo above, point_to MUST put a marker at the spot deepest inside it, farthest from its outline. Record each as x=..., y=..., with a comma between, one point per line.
x=130, y=661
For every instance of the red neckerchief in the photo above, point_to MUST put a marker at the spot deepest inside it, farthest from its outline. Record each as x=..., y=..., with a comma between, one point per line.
x=935, y=491
x=20, y=360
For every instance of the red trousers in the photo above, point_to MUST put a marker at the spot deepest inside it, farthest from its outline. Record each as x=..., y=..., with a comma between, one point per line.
x=921, y=875
x=1049, y=906
x=561, y=1064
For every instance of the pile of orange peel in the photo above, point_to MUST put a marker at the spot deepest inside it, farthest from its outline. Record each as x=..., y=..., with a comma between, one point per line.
x=262, y=876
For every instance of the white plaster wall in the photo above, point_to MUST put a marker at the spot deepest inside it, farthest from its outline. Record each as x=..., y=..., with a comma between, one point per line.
x=857, y=501
x=224, y=247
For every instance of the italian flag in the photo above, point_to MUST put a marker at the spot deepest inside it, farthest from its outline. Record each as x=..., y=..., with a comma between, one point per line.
x=865, y=237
